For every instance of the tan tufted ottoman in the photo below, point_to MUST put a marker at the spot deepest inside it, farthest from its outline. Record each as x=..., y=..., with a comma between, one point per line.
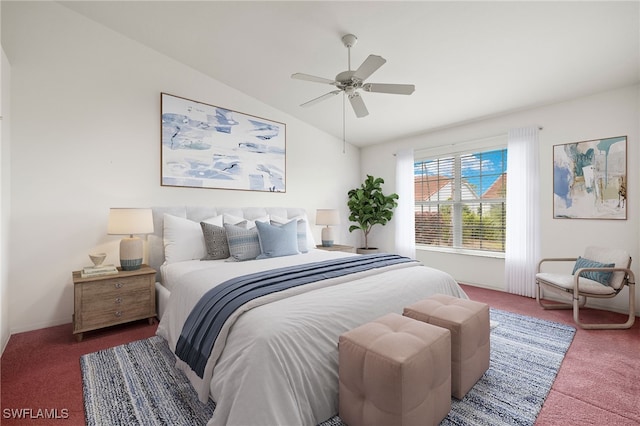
x=468, y=322
x=395, y=371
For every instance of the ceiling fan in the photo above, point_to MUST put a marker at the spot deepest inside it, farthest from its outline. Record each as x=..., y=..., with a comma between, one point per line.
x=349, y=82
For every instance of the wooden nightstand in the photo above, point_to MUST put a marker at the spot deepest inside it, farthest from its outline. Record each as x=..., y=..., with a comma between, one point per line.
x=113, y=299
x=338, y=247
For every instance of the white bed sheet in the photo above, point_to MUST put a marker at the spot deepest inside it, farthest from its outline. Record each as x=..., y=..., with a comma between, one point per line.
x=280, y=362
x=171, y=273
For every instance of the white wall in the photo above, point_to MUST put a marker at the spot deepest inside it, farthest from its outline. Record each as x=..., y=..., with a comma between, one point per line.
x=613, y=113
x=5, y=168
x=86, y=137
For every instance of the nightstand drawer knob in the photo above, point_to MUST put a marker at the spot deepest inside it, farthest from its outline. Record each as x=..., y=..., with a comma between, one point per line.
x=118, y=314
x=118, y=300
x=119, y=284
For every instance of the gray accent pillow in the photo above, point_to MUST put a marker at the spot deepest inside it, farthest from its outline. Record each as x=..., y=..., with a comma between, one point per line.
x=243, y=243
x=215, y=239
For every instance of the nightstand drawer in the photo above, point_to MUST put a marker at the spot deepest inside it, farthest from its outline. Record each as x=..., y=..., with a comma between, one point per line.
x=113, y=287
x=116, y=315
x=115, y=299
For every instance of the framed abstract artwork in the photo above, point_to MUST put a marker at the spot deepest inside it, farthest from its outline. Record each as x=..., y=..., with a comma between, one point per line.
x=207, y=146
x=590, y=179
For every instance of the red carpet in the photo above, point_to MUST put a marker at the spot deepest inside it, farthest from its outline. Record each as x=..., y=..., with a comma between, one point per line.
x=599, y=381
x=40, y=370
x=597, y=384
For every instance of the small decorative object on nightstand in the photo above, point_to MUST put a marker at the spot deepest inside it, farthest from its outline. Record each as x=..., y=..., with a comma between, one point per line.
x=327, y=217
x=97, y=258
x=107, y=300
x=338, y=247
x=129, y=222
x=98, y=268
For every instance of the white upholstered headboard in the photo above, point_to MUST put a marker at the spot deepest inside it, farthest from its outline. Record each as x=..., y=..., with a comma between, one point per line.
x=199, y=213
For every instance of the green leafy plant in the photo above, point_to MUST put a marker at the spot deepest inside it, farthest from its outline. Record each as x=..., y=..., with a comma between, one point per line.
x=369, y=206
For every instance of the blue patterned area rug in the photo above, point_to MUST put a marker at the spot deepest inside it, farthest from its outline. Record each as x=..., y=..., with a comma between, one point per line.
x=136, y=383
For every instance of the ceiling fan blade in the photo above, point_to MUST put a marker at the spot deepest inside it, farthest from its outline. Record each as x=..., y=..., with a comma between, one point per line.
x=369, y=66
x=357, y=103
x=308, y=77
x=396, y=89
x=320, y=98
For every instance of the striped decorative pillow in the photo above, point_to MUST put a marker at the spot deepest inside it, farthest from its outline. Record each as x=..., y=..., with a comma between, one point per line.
x=601, y=277
x=243, y=243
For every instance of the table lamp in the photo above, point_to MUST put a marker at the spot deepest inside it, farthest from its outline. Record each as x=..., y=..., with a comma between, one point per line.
x=130, y=222
x=327, y=217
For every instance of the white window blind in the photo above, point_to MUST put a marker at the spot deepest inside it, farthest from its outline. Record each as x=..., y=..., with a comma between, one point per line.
x=460, y=200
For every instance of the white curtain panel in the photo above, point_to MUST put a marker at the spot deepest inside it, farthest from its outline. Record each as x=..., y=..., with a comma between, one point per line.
x=405, y=212
x=523, y=216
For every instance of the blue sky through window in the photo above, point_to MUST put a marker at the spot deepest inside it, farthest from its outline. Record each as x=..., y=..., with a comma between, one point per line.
x=480, y=169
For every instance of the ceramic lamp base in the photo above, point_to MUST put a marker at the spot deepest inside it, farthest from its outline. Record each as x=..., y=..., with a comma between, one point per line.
x=327, y=237
x=131, y=253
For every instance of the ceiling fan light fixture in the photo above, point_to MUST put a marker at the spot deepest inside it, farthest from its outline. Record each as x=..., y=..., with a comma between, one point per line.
x=349, y=40
x=349, y=82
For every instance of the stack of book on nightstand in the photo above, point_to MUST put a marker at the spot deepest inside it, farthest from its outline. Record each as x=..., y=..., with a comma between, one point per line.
x=97, y=271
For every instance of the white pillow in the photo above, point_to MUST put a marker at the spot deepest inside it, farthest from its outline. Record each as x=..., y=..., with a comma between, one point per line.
x=235, y=220
x=183, y=238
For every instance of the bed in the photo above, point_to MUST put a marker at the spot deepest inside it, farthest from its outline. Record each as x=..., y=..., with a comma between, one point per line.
x=276, y=358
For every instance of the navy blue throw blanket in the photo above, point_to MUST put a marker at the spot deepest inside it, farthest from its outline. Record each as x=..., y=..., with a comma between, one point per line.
x=205, y=321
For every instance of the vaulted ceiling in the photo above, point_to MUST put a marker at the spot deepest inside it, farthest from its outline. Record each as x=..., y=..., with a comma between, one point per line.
x=468, y=60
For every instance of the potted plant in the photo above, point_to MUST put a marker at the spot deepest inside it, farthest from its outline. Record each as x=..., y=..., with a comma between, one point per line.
x=368, y=207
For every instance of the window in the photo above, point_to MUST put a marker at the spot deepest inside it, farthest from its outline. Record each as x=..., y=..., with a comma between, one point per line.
x=461, y=200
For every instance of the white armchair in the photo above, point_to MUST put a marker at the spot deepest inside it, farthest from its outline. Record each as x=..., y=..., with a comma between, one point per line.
x=601, y=273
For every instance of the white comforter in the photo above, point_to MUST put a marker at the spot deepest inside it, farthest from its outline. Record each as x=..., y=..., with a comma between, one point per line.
x=279, y=365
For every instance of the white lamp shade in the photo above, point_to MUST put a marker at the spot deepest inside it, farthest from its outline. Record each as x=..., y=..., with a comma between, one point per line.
x=327, y=217
x=130, y=221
